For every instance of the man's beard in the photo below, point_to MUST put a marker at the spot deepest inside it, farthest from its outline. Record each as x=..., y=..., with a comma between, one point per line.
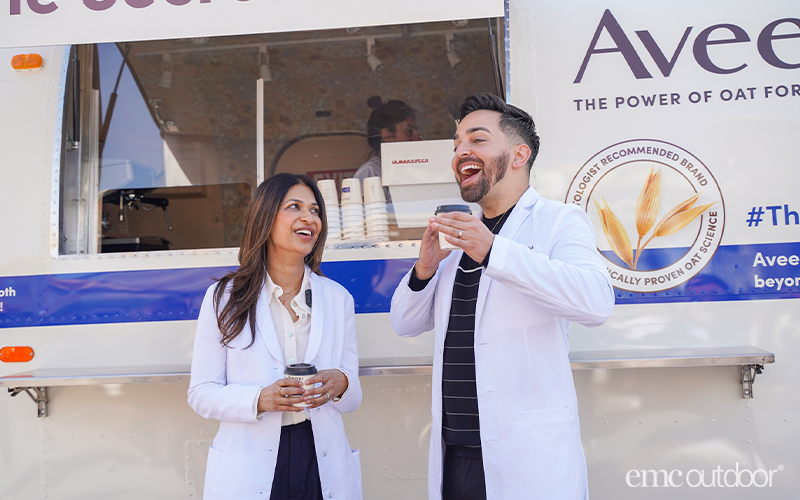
x=491, y=175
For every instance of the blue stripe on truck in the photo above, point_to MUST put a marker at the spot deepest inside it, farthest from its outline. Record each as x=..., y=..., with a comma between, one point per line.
x=734, y=273
x=164, y=294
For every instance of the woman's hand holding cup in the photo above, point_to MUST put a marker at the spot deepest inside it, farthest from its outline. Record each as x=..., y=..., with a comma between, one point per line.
x=334, y=383
x=281, y=395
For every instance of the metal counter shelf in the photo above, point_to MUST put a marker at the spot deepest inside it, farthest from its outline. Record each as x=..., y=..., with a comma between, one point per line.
x=751, y=359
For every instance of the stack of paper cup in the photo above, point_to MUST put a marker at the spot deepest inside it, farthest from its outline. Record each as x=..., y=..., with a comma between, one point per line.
x=377, y=217
x=328, y=189
x=352, y=210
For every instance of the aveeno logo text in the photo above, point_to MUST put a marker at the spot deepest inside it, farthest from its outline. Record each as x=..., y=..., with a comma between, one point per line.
x=779, y=31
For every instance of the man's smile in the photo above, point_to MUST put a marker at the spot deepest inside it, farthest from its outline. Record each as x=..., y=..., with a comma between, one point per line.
x=469, y=168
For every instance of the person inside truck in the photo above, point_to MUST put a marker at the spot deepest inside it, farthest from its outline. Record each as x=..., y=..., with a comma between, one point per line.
x=394, y=121
x=278, y=437
x=505, y=416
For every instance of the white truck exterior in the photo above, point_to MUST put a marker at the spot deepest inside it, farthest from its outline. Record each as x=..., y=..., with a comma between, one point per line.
x=705, y=95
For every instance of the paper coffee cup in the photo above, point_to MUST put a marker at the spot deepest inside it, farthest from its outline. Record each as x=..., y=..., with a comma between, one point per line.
x=351, y=191
x=376, y=211
x=442, y=209
x=327, y=187
x=373, y=190
x=301, y=372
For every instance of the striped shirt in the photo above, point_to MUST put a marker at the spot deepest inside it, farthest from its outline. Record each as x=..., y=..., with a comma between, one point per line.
x=460, y=420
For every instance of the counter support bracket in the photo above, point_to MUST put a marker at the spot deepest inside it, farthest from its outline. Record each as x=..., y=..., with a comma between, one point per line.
x=37, y=394
x=749, y=373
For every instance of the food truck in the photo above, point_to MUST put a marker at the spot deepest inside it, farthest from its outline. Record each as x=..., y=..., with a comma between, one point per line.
x=134, y=132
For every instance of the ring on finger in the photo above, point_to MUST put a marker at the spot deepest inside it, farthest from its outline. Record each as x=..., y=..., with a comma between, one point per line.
x=460, y=232
x=329, y=397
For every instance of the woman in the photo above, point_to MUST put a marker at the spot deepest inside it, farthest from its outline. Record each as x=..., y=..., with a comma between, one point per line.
x=390, y=122
x=254, y=322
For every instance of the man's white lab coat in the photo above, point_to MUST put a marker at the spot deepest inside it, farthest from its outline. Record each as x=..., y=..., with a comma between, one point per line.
x=544, y=272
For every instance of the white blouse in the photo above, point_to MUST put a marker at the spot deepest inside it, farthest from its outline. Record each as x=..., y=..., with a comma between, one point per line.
x=292, y=335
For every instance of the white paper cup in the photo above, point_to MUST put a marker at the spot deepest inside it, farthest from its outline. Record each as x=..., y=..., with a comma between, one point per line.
x=301, y=372
x=443, y=244
x=373, y=190
x=351, y=191
x=327, y=187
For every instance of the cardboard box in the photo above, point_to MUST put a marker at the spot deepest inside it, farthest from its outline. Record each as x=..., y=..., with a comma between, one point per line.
x=420, y=178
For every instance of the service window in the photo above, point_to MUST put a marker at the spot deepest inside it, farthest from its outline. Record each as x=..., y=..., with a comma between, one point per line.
x=162, y=138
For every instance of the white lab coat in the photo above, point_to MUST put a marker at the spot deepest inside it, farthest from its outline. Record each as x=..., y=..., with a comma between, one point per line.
x=544, y=271
x=226, y=380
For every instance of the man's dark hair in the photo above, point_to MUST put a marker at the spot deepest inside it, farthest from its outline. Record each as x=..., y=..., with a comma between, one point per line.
x=388, y=116
x=513, y=121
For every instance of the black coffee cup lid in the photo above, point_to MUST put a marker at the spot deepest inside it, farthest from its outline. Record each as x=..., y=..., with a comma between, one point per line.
x=441, y=209
x=300, y=369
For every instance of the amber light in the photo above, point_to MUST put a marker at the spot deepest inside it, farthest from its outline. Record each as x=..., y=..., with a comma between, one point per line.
x=26, y=62
x=16, y=354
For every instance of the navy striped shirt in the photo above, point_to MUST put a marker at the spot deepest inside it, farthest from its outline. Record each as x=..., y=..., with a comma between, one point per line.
x=460, y=420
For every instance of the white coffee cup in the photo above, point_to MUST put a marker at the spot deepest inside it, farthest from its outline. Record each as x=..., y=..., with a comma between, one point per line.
x=373, y=190
x=301, y=372
x=376, y=209
x=328, y=189
x=351, y=191
x=441, y=209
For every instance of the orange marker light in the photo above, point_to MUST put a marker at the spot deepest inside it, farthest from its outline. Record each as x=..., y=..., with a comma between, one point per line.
x=16, y=354
x=27, y=62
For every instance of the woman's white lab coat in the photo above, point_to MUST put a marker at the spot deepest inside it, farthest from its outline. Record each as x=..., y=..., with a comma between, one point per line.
x=544, y=271
x=226, y=381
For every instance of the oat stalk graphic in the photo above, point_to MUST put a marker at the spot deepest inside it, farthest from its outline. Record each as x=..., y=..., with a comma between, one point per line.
x=645, y=214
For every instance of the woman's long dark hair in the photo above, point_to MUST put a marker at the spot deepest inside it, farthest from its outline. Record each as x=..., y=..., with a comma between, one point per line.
x=247, y=281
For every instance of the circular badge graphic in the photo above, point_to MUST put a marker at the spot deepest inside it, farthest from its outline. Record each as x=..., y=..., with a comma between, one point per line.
x=657, y=210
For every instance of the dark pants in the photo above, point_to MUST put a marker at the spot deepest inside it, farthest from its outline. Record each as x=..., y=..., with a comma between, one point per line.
x=463, y=477
x=296, y=472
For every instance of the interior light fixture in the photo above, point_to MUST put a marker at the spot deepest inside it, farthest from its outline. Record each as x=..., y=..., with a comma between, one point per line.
x=263, y=58
x=461, y=22
x=375, y=63
x=452, y=56
x=352, y=30
x=166, y=72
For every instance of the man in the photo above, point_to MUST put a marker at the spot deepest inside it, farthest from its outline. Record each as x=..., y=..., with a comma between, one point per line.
x=505, y=416
x=394, y=121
